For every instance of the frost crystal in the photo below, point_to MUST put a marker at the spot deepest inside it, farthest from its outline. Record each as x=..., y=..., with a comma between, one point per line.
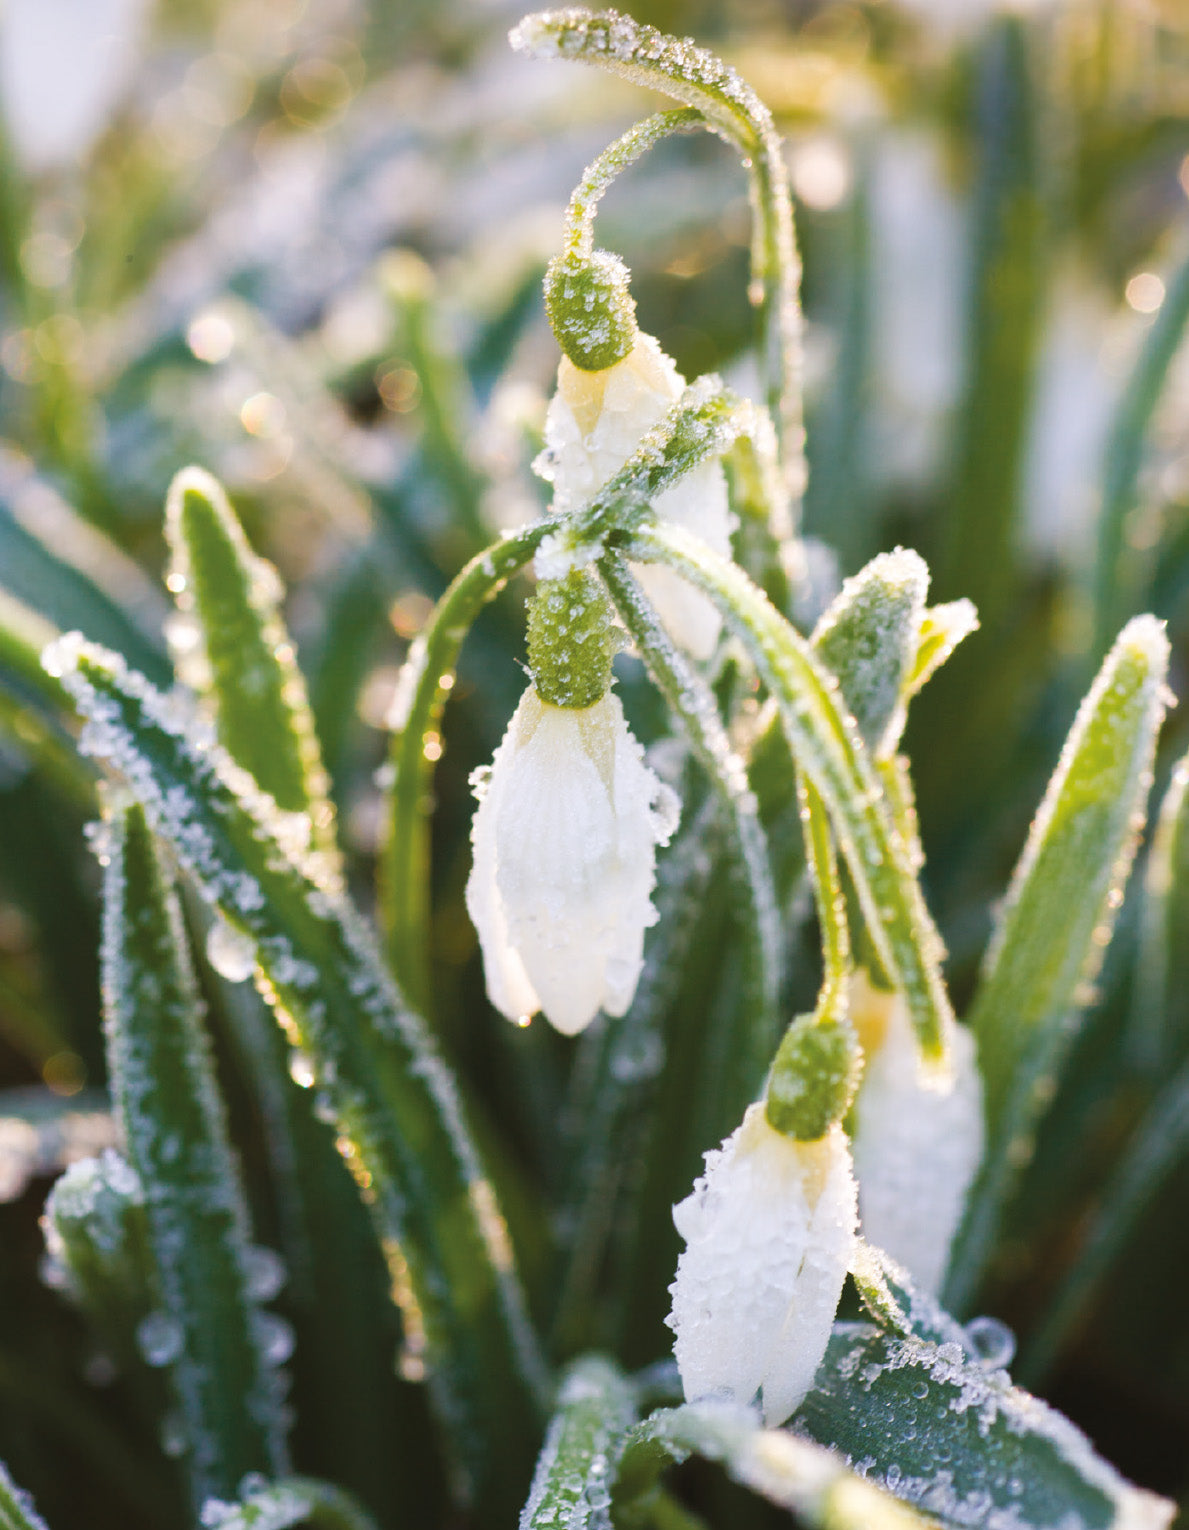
x=596, y=421
x=916, y=1145
x=565, y=839
x=769, y=1231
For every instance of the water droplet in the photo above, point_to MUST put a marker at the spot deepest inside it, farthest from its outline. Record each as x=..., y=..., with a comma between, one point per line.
x=231, y=953
x=275, y=1336
x=301, y=1070
x=265, y=1271
x=992, y=1342
x=159, y=1338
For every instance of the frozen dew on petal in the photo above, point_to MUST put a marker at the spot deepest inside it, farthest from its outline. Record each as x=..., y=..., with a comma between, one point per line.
x=917, y=1141
x=595, y=422
x=565, y=839
x=769, y=1230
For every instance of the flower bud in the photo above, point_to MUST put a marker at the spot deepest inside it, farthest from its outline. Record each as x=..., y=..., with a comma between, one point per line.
x=917, y=1141
x=565, y=840
x=769, y=1232
x=591, y=310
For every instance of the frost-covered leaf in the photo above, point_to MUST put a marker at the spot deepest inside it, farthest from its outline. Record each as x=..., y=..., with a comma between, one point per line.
x=220, y=1347
x=232, y=647
x=956, y=1440
x=279, y=1505
x=97, y=1248
x=868, y=637
x=16, y=1506
x=1057, y=919
x=828, y=748
x=399, y=1117
x=815, y=1484
x=571, y=1485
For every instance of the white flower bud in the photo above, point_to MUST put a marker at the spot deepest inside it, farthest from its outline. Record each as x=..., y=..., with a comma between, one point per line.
x=565, y=840
x=917, y=1141
x=595, y=422
x=769, y=1231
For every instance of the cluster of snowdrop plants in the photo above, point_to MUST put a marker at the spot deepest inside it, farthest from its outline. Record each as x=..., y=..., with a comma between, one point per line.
x=771, y=1174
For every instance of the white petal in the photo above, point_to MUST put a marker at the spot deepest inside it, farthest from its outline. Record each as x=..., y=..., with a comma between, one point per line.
x=917, y=1147
x=565, y=845
x=769, y=1231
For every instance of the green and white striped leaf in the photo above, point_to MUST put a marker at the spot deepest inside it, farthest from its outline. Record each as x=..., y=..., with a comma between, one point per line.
x=1057, y=920
x=399, y=1116
x=206, y=1327
x=232, y=648
x=958, y=1442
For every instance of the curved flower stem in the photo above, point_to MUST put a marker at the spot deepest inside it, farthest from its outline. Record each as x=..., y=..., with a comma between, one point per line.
x=617, y=157
x=831, y=753
x=731, y=107
x=827, y=890
x=425, y=682
x=690, y=698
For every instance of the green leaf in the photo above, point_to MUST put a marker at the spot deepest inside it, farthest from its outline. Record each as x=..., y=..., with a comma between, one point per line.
x=869, y=637
x=97, y=1247
x=816, y=1485
x=1056, y=922
x=235, y=651
x=1159, y=1026
x=399, y=1116
x=830, y=751
x=16, y=1506
x=595, y=1404
x=206, y=1326
x=956, y=1440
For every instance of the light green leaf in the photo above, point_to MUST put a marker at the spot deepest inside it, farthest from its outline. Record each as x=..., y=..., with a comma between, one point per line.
x=234, y=650
x=1057, y=920
x=206, y=1327
x=1159, y=1027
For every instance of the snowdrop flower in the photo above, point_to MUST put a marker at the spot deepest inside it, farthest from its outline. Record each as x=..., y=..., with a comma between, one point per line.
x=63, y=66
x=916, y=1145
x=566, y=830
x=594, y=424
x=769, y=1232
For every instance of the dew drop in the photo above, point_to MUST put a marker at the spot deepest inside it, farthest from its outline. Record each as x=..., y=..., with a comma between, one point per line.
x=992, y=1342
x=231, y=953
x=265, y=1272
x=159, y=1338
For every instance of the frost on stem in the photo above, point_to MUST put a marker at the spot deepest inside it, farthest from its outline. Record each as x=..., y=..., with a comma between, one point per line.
x=597, y=421
x=769, y=1230
x=591, y=309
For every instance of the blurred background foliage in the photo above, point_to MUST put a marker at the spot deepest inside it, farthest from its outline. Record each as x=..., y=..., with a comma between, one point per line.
x=301, y=244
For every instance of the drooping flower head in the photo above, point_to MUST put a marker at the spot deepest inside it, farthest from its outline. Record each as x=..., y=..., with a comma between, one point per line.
x=917, y=1141
x=769, y=1231
x=595, y=423
x=566, y=830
